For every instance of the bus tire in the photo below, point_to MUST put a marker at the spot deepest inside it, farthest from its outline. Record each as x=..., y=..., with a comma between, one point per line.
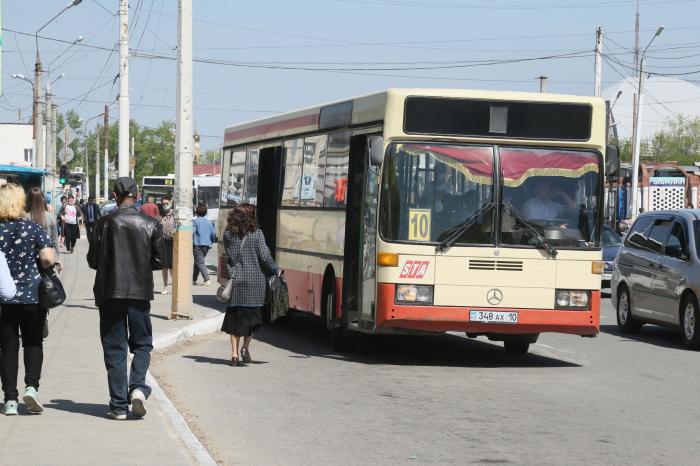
x=336, y=332
x=516, y=346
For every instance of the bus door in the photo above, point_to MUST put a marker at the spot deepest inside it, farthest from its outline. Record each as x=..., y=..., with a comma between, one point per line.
x=269, y=193
x=359, y=269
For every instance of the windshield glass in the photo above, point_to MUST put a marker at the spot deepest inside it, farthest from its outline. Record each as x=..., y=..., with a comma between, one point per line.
x=209, y=195
x=428, y=189
x=555, y=191
x=610, y=238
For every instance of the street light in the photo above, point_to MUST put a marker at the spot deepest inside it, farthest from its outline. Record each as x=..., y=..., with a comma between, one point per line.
x=78, y=40
x=638, y=129
x=38, y=124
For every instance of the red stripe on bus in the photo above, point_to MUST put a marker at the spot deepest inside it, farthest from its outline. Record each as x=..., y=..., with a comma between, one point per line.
x=297, y=122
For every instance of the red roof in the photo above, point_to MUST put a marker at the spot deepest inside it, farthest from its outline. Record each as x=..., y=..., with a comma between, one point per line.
x=213, y=169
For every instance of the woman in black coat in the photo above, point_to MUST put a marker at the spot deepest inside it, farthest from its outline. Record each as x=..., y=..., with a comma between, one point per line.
x=249, y=261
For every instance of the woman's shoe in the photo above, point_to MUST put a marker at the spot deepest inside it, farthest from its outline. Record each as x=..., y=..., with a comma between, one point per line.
x=10, y=408
x=235, y=362
x=245, y=355
x=31, y=400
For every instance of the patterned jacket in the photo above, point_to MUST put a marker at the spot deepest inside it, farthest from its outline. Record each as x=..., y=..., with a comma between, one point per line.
x=248, y=268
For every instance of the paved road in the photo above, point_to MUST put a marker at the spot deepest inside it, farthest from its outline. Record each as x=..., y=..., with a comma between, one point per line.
x=446, y=399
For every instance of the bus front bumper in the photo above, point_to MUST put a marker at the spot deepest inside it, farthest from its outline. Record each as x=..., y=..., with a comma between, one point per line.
x=456, y=319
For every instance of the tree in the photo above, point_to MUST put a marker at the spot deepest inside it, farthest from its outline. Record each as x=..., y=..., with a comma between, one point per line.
x=679, y=141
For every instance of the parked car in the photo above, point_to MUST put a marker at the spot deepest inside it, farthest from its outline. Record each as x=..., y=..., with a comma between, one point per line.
x=611, y=245
x=656, y=275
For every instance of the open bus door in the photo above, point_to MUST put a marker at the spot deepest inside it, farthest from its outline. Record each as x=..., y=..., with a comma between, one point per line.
x=359, y=270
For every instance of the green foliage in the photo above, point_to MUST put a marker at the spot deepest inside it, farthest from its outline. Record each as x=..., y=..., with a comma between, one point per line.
x=678, y=142
x=211, y=157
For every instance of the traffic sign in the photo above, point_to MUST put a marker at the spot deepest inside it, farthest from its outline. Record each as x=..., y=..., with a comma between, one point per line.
x=66, y=154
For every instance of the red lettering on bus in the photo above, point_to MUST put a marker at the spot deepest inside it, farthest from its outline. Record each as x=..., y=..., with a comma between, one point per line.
x=414, y=269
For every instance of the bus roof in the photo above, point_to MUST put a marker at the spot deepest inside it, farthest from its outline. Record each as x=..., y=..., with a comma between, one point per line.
x=370, y=108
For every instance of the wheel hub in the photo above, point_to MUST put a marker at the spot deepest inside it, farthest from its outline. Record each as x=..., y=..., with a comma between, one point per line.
x=689, y=321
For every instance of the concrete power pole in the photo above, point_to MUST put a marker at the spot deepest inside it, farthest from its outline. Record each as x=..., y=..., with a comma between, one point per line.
x=106, y=152
x=123, y=159
x=39, y=160
x=598, y=59
x=97, y=164
x=542, y=79
x=132, y=157
x=51, y=138
x=182, y=251
x=636, y=67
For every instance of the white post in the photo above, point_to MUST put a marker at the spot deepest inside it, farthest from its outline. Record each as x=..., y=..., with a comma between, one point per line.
x=123, y=160
x=97, y=164
x=131, y=154
x=182, y=253
x=105, y=175
x=637, y=143
x=598, y=51
x=87, y=163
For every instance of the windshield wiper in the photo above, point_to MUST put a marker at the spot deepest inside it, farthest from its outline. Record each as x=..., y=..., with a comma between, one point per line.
x=541, y=240
x=449, y=237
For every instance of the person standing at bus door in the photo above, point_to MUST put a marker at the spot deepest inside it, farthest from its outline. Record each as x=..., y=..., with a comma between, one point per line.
x=71, y=215
x=91, y=214
x=24, y=244
x=248, y=255
x=203, y=236
x=167, y=224
x=150, y=208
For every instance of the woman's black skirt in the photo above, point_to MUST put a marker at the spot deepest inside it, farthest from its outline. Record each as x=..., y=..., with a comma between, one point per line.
x=242, y=321
x=168, y=259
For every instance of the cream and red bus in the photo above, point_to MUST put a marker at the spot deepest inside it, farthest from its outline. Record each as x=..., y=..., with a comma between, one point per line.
x=432, y=210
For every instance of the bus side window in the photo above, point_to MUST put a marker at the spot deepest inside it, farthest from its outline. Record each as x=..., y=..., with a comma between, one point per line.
x=314, y=166
x=293, y=160
x=236, y=177
x=336, y=177
x=251, y=176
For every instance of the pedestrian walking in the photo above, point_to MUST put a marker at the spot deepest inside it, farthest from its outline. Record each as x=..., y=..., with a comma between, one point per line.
x=203, y=236
x=126, y=247
x=91, y=214
x=150, y=208
x=71, y=215
x=59, y=224
x=38, y=211
x=167, y=225
x=22, y=241
x=249, y=260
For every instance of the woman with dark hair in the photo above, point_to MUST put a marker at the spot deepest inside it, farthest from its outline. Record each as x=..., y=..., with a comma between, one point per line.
x=38, y=212
x=203, y=236
x=167, y=224
x=247, y=254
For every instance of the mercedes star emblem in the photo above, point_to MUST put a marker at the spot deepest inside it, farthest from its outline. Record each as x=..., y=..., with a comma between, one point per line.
x=494, y=296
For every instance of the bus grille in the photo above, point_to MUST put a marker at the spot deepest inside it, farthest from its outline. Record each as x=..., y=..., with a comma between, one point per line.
x=487, y=264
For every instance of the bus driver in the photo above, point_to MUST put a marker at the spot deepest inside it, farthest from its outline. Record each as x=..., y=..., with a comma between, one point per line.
x=544, y=205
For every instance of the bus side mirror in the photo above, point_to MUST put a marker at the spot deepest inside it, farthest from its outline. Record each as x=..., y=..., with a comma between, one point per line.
x=376, y=150
x=612, y=161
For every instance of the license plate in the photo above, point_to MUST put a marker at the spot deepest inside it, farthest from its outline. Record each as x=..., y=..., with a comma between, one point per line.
x=494, y=317
x=607, y=276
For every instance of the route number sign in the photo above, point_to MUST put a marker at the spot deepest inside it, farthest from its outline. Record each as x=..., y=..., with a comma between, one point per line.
x=419, y=224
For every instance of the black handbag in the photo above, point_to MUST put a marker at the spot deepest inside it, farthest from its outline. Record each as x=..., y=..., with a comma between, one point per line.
x=51, y=292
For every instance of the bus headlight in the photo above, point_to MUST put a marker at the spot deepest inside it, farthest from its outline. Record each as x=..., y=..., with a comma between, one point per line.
x=571, y=299
x=414, y=294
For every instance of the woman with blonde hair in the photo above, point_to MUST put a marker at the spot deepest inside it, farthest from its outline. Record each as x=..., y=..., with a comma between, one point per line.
x=22, y=241
x=248, y=261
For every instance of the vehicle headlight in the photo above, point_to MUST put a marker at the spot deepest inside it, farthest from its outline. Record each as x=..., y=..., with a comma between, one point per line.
x=414, y=294
x=571, y=299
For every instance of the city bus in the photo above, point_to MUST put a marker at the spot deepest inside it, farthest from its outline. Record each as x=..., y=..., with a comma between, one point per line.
x=158, y=186
x=205, y=189
x=432, y=210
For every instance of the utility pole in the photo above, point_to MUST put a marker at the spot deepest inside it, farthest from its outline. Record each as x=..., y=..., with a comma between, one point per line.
x=106, y=151
x=39, y=160
x=132, y=158
x=50, y=138
x=636, y=69
x=123, y=158
x=637, y=142
x=598, y=52
x=182, y=251
x=542, y=82
x=97, y=164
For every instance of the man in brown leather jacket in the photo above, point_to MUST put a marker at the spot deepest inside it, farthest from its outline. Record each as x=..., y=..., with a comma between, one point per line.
x=126, y=247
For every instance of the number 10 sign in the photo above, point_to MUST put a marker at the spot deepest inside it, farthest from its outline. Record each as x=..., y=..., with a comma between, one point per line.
x=419, y=224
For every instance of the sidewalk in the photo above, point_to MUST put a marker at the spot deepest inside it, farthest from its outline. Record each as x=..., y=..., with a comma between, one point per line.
x=73, y=429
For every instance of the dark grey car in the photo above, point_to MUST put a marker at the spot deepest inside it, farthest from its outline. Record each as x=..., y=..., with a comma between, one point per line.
x=656, y=275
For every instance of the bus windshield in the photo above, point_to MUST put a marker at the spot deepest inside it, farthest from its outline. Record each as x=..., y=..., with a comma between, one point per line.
x=437, y=192
x=209, y=195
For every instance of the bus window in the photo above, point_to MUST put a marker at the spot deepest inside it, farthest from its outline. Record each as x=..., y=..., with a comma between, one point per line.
x=251, y=176
x=236, y=180
x=293, y=159
x=336, y=177
x=208, y=195
x=312, y=178
x=428, y=190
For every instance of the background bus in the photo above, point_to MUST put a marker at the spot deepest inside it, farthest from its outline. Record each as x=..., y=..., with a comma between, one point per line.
x=158, y=186
x=432, y=210
x=205, y=189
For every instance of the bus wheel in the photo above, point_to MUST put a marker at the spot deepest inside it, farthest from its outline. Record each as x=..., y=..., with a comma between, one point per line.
x=335, y=331
x=519, y=344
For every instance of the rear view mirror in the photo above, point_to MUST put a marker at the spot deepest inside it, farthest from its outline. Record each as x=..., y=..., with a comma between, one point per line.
x=376, y=150
x=612, y=161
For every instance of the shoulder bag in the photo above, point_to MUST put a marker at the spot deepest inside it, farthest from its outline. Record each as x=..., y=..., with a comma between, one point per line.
x=51, y=292
x=223, y=294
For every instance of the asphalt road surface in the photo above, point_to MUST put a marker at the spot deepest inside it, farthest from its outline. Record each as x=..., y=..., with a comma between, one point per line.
x=444, y=399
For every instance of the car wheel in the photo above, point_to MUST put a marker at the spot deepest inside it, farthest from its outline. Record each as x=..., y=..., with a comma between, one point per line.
x=625, y=321
x=689, y=322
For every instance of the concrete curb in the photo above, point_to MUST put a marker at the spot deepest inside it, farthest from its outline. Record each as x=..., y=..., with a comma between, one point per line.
x=165, y=340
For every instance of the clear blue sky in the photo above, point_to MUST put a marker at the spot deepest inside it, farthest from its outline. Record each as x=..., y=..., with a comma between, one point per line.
x=362, y=37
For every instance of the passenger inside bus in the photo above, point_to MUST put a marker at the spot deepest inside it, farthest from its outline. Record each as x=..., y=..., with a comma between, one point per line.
x=548, y=203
